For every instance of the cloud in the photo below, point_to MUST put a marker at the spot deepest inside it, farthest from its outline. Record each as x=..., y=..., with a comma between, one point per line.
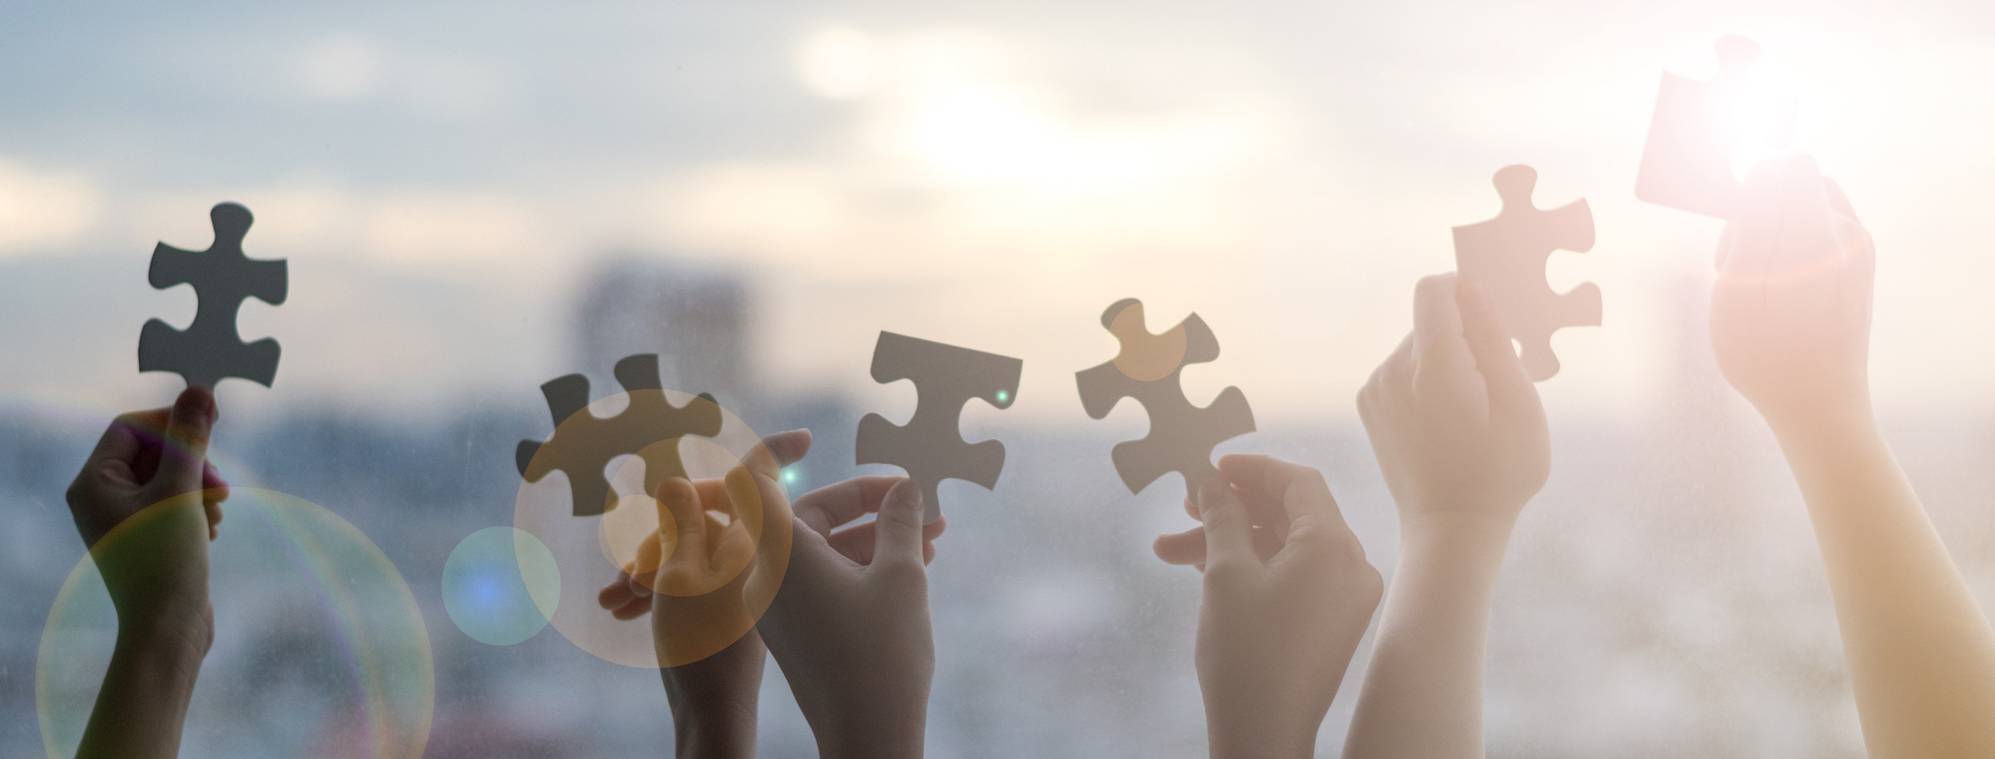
x=44, y=207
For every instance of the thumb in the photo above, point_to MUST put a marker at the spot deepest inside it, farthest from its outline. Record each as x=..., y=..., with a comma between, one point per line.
x=897, y=535
x=183, y=458
x=1229, y=537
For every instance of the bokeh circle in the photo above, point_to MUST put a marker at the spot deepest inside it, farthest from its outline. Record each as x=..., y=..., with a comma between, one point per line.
x=591, y=551
x=320, y=649
x=496, y=583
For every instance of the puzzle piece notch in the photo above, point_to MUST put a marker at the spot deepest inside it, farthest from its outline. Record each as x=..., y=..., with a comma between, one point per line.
x=1181, y=436
x=583, y=444
x=930, y=447
x=1687, y=159
x=1506, y=256
x=223, y=277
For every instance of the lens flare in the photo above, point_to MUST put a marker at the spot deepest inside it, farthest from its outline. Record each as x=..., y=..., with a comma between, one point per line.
x=317, y=635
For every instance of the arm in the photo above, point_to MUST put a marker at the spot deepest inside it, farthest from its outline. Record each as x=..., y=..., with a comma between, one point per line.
x=1460, y=437
x=1790, y=323
x=146, y=504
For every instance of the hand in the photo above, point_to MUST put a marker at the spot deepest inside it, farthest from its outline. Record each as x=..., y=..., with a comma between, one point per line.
x=1276, y=632
x=853, y=635
x=146, y=503
x=1790, y=312
x=714, y=699
x=1453, y=418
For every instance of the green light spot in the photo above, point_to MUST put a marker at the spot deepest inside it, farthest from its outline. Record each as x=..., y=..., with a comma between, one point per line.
x=1004, y=397
x=789, y=476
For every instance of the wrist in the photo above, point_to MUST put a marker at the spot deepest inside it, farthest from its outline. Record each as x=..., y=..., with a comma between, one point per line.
x=171, y=631
x=904, y=740
x=1455, y=532
x=1226, y=740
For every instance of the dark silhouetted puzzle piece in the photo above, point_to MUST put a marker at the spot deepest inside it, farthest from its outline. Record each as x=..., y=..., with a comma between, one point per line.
x=1505, y=257
x=1687, y=161
x=1148, y=368
x=931, y=446
x=583, y=444
x=223, y=277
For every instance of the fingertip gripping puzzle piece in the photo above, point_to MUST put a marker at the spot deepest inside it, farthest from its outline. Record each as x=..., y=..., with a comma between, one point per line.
x=1700, y=128
x=931, y=446
x=1148, y=368
x=583, y=444
x=1505, y=257
x=223, y=277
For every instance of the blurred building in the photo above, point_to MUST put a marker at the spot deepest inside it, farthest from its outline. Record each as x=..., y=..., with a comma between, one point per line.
x=696, y=318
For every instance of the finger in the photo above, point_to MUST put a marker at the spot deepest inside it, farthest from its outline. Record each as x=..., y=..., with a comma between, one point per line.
x=184, y=455
x=1396, y=374
x=1437, y=322
x=688, y=523
x=1228, y=538
x=828, y=507
x=1300, y=489
x=777, y=451
x=126, y=434
x=897, y=530
x=616, y=594
x=1263, y=506
x=637, y=607
x=1187, y=548
x=1495, y=359
x=858, y=541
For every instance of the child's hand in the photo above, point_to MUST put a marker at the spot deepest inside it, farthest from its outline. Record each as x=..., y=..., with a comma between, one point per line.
x=714, y=699
x=149, y=475
x=1790, y=312
x=1276, y=634
x=1453, y=418
x=854, y=638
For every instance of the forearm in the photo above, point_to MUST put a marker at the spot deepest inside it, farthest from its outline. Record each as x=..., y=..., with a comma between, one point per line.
x=1422, y=695
x=143, y=701
x=1921, y=654
x=707, y=732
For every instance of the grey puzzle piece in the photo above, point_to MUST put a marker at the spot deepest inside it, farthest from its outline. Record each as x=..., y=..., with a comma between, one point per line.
x=583, y=444
x=931, y=446
x=1687, y=159
x=223, y=277
x=1182, y=435
x=1505, y=257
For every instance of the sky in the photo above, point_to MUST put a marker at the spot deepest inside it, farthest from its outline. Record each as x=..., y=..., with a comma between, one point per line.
x=441, y=176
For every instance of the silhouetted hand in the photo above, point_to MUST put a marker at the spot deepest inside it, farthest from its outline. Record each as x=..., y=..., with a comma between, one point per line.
x=854, y=638
x=1275, y=635
x=714, y=698
x=1790, y=312
x=146, y=504
x=1461, y=439
x=1453, y=418
x=154, y=463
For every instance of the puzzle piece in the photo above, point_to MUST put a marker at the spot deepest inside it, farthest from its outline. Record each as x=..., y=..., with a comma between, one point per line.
x=583, y=444
x=223, y=277
x=1699, y=128
x=1148, y=368
x=931, y=446
x=1505, y=257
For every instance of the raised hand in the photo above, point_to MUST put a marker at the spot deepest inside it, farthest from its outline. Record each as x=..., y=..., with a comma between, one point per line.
x=1461, y=439
x=695, y=578
x=1277, y=632
x=1790, y=312
x=146, y=504
x=1790, y=323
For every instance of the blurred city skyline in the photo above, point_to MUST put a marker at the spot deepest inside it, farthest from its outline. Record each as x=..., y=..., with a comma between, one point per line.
x=983, y=177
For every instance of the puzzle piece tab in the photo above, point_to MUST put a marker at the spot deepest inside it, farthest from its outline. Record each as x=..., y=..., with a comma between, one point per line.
x=1505, y=257
x=223, y=277
x=1148, y=368
x=1700, y=128
x=583, y=444
x=931, y=446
